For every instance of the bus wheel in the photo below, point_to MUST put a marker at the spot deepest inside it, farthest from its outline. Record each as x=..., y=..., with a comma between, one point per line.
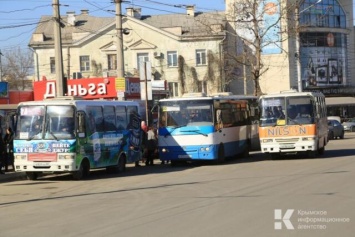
x=32, y=175
x=221, y=156
x=121, y=166
x=83, y=171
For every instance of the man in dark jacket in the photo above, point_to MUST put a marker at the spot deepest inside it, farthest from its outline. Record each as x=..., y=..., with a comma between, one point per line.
x=9, y=142
x=2, y=153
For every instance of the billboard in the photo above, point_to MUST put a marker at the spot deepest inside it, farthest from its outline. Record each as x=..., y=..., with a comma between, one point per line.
x=4, y=89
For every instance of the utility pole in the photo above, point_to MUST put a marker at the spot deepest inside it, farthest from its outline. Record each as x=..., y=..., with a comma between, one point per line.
x=1, y=66
x=120, y=59
x=58, y=49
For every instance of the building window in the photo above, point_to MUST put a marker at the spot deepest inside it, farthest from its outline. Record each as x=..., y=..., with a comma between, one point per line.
x=142, y=57
x=172, y=59
x=201, y=57
x=173, y=89
x=112, y=61
x=84, y=63
x=202, y=86
x=322, y=14
x=52, y=64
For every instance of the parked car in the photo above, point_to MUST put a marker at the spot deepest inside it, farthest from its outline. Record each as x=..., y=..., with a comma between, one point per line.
x=349, y=125
x=335, y=129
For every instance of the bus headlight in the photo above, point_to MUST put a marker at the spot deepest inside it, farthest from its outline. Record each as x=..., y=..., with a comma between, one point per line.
x=66, y=157
x=266, y=140
x=20, y=157
x=164, y=150
x=204, y=148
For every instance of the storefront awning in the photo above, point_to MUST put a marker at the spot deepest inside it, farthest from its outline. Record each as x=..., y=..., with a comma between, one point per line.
x=337, y=101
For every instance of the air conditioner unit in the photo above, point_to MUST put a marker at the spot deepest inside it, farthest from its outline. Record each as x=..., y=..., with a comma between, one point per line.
x=77, y=75
x=157, y=54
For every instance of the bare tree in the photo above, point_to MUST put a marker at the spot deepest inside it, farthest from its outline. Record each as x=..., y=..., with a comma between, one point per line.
x=258, y=25
x=17, y=66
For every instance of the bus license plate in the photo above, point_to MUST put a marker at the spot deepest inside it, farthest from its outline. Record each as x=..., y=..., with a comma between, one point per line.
x=184, y=156
x=287, y=146
x=41, y=164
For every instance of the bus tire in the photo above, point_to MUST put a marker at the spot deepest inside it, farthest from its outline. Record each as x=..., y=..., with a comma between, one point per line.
x=31, y=175
x=83, y=171
x=221, y=155
x=121, y=165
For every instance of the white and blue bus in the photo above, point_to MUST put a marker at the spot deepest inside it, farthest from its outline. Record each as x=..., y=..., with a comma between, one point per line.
x=197, y=127
x=71, y=135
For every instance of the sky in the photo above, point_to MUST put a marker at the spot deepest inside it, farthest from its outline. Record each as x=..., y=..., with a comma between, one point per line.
x=19, y=18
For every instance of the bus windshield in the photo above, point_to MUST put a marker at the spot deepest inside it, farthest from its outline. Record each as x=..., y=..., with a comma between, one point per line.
x=51, y=122
x=182, y=113
x=279, y=111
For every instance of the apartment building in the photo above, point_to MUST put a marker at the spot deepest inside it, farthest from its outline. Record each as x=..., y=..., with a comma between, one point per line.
x=185, y=50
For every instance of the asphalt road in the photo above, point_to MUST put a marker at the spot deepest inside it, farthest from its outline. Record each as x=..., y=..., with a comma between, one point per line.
x=315, y=197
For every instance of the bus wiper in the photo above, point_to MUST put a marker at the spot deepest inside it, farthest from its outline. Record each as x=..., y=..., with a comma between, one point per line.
x=55, y=137
x=172, y=130
x=296, y=122
x=197, y=131
x=33, y=136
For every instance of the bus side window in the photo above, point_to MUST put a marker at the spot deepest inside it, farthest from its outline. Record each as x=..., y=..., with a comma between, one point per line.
x=219, y=122
x=121, y=117
x=81, y=124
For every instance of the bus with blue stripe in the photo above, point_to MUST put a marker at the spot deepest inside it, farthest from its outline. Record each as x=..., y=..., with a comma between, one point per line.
x=197, y=127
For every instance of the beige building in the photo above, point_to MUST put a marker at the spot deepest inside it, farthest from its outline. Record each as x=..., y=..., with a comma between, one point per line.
x=185, y=50
x=324, y=50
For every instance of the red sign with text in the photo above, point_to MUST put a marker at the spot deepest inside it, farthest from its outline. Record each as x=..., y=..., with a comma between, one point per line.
x=90, y=88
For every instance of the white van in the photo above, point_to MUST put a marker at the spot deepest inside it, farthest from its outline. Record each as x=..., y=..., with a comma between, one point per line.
x=337, y=118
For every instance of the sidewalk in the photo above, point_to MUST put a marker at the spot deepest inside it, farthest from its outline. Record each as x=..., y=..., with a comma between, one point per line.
x=11, y=175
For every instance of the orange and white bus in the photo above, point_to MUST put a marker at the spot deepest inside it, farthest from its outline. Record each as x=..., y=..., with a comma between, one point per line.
x=293, y=122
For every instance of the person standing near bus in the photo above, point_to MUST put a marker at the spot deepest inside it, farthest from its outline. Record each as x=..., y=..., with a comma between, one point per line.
x=9, y=142
x=151, y=145
x=144, y=129
x=2, y=153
